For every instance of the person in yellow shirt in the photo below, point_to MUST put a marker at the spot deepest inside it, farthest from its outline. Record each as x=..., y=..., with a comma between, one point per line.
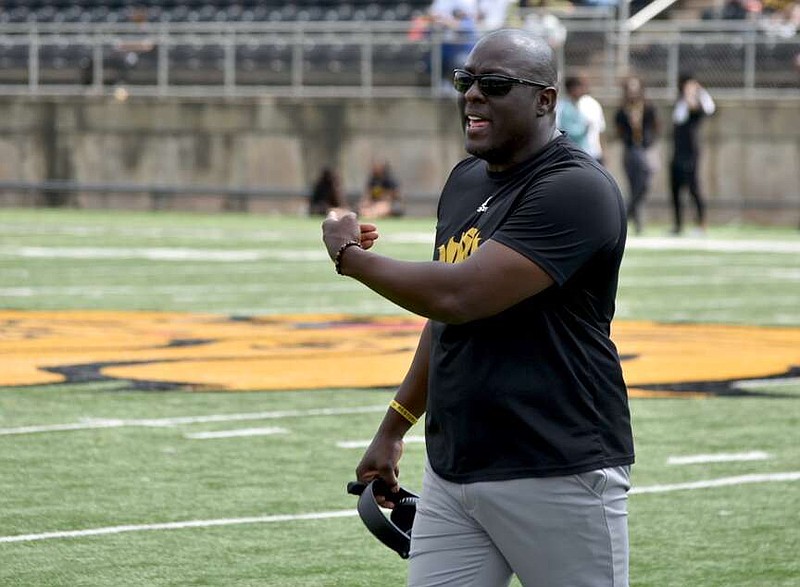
x=381, y=196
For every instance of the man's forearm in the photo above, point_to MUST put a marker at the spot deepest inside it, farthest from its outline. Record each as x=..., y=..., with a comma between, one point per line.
x=412, y=394
x=413, y=391
x=428, y=289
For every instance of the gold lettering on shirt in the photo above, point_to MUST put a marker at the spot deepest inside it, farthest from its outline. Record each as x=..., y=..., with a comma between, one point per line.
x=455, y=251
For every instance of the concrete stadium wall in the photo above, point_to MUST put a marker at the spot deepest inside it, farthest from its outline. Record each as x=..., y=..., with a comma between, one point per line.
x=750, y=169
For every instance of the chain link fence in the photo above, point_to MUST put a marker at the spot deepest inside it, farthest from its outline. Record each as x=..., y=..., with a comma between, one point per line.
x=371, y=59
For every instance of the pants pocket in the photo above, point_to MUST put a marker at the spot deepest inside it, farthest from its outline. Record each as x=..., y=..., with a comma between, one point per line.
x=593, y=481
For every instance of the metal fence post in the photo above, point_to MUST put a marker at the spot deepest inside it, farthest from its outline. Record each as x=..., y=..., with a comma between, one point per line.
x=97, y=62
x=297, y=60
x=610, y=66
x=673, y=64
x=436, y=63
x=162, y=61
x=750, y=63
x=229, y=67
x=366, y=63
x=623, y=38
x=33, y=60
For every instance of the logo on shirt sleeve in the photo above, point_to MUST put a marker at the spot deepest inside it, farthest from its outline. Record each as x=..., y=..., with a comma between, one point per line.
x=455, y=251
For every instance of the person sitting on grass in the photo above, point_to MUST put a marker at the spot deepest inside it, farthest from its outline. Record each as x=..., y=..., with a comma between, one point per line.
x=382, y=196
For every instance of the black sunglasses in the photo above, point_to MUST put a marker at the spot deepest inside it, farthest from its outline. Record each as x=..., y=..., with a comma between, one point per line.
x=490, y=84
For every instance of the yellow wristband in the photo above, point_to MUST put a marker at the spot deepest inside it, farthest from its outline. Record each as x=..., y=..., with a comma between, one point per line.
x=400, y=409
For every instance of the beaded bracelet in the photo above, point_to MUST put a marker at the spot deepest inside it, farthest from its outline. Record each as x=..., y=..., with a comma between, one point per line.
x=337, y=260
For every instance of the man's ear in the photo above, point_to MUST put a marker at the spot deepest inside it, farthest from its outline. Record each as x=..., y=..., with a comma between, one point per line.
x=546, y=101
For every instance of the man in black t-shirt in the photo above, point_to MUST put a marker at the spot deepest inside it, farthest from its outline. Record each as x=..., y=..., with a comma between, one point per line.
x=527, y=425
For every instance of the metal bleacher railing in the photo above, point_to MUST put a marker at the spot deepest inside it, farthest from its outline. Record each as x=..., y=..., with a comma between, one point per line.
x=370, y=58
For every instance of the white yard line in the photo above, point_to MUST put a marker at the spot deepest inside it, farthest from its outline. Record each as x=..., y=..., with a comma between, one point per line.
x=719, y=246
x=249, y=255
x=755, y=455
x=235, y=433
x=92, y=423
x=95, y=424
x=365, y=443
x=204, y=233
x=692, y=280
x=765, y=383
x=722, y=482
x=189, y=291
x=407, y=237
x=161, y=254
x=176, y=526
x=729, y=302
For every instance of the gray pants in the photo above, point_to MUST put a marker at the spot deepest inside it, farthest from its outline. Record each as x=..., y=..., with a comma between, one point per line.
x=569, y=531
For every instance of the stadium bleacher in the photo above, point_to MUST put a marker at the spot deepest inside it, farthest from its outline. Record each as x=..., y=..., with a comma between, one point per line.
x=115, y=11
x=192, y=61
x=264, y=51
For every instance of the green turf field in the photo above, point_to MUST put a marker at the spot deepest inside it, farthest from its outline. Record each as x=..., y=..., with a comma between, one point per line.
x=104, y=485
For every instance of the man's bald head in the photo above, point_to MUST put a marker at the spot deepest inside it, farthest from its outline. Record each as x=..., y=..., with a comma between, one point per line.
x=508, y=126
x=527, y=54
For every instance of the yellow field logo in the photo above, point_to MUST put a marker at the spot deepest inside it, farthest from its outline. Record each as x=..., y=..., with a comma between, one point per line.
x=151, y=350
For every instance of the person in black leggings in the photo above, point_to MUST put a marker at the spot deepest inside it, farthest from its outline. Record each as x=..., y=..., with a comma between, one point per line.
x=694, y=103
x=638, y=127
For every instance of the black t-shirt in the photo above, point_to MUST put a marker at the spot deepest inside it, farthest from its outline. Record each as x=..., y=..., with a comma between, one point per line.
x=644, y=135
x=536, y=390
x=379, y=185
x=685, y=137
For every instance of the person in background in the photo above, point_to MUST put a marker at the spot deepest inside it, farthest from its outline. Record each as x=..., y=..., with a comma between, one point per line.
x=442, y=10
x=694, y=103
x=492, y=14
x=569, y=118
x=460, y=35
x=540, y=20
x=327, y=194
x=638, y=127
x=593, y=113
x=734, y=10
x=382, y=195
x=527, y=425
x=452, y=25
